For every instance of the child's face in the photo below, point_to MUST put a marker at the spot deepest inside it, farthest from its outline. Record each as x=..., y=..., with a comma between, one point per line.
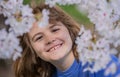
x=52, y=42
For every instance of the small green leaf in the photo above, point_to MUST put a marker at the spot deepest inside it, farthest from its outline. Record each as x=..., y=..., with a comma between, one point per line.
x=26, y=1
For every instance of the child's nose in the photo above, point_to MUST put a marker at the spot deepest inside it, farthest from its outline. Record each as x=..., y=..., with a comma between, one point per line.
x=49, y=39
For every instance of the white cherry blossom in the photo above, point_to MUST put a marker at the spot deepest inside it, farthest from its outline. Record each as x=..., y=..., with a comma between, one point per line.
x=9, y=6
x=111, y=69
x=9, y=45
x=52, y=3
x=45, y=18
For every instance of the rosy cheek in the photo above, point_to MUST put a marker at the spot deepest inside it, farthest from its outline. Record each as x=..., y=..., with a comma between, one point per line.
x=35, y=47
x=40, y=48
x=64, y=35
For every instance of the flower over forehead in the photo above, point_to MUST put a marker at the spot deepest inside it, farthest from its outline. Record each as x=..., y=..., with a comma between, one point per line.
x=45, y=18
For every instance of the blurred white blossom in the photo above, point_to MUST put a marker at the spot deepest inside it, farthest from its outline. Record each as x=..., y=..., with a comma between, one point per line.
x=118, y=75
x=9, y=5
x=9, y=45
x=105, y=15
x=20, y=27
x=95, y=51
x=52, y=3
x=111, y=69
x=45, y=18
x=20, y=19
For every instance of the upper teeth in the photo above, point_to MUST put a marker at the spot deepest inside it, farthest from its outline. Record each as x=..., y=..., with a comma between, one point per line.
x=54, y=48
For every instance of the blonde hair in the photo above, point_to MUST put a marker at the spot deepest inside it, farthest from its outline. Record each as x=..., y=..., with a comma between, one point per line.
x=29, y=65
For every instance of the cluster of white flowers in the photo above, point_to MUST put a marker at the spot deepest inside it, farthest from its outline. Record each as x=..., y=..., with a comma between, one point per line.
x=19, y=16
x=105, y=15
x=9, y=5
x=51, y=3
x=45, y=19
x=20, y=19
x=93, y=50
x=9, y=45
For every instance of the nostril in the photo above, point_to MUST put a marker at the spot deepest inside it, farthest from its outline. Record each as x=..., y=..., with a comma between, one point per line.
x=51, y=41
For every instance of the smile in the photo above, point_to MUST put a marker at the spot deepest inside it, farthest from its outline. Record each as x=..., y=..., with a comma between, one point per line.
x=55, y=47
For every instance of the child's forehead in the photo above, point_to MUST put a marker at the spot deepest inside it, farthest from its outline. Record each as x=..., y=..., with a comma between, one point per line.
x=50, y=25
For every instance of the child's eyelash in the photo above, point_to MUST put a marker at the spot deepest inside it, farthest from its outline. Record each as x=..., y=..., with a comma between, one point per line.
x=54, y=30
x=38, y=38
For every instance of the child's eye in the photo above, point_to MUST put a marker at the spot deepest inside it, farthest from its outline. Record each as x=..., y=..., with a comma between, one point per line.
x=55, y=30
x=39, y=38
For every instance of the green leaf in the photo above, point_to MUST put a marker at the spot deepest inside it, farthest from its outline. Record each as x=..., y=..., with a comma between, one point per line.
x=26, y=2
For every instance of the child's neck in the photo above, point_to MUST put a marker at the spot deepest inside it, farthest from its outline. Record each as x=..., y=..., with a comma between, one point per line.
x=65, y=62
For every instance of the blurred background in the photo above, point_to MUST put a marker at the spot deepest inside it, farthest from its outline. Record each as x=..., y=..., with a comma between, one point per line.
x=6, y=69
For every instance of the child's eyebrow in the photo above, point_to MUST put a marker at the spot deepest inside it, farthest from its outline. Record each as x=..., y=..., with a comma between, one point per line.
x=36, y=35
x=53, y=25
